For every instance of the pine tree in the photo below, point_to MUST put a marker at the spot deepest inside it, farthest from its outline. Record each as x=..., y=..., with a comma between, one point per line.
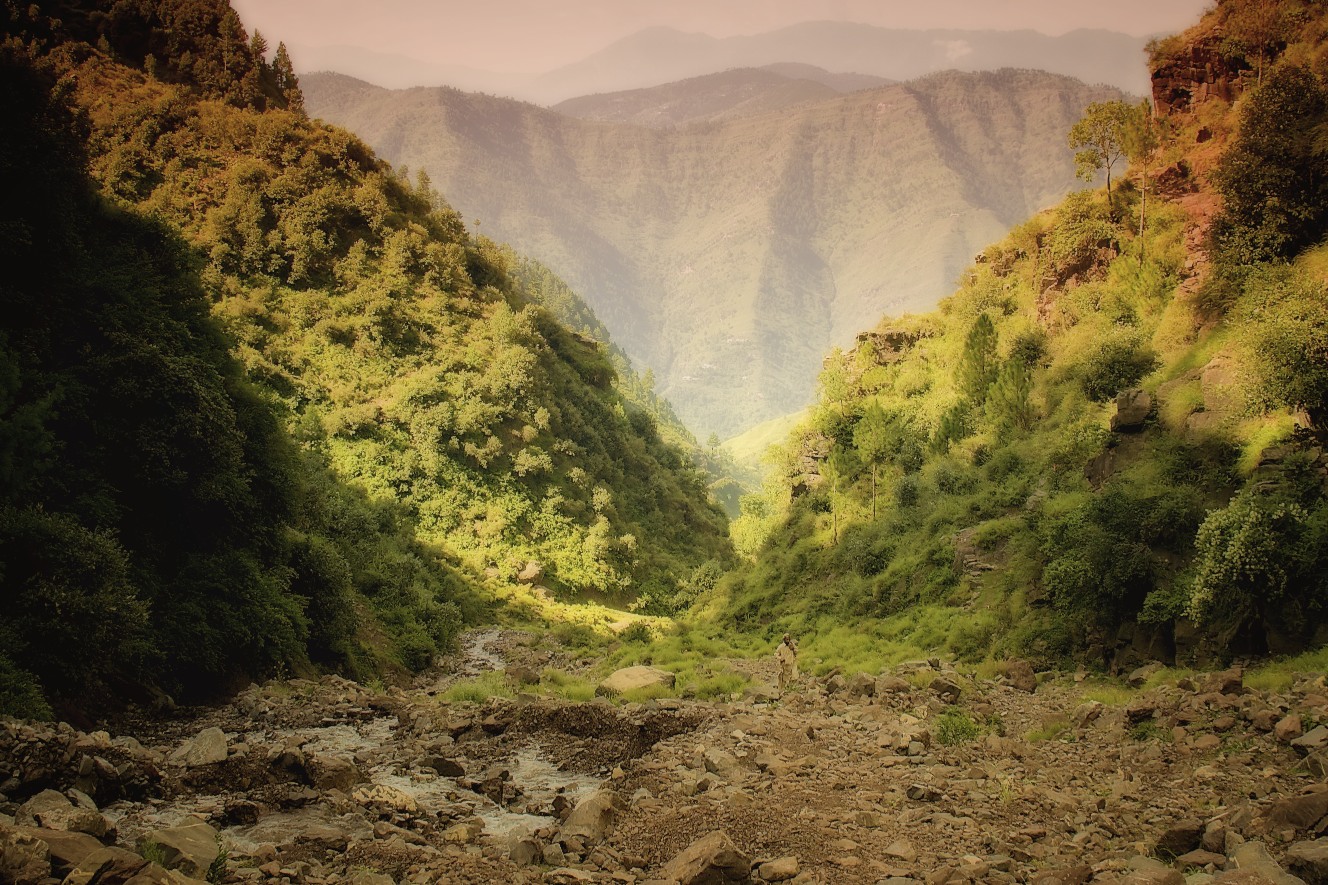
x=978, y=365
x=288, y=85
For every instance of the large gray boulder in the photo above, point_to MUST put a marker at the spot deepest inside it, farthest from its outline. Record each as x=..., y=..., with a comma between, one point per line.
x=205, y=748
x=190, y=848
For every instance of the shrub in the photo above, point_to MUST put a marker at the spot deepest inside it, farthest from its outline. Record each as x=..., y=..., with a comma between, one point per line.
x=954, y=726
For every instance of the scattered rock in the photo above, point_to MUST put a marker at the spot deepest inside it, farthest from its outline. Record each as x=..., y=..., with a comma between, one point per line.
x=50, y=810
x=24, y=858
x=1289, y=728
x=946, y=689
x=1309, y=861
x=1180, y=838
x=1312, y=741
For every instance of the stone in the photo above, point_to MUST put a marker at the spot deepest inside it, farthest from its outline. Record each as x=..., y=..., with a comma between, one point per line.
x=383, y=796
x=1180, y=838
x=1132, y=410
x=443, y=766
x=891, y=684
x=531, y=573
x=106, y=866
x=721, y=763
x=1078, y=875
x=1139, y=676
x=50, y=810
x=1147, y=871
x=946, y=689
x=923, y=793
x=208, y=747
x=711, y=860
x=1086, y=713
x=1312, y=741
x=368, y=877
x=464, y=833
x=524, y=849
x=1253, y=857
x=780, y=869
x=1309, y=861
x=1019, y=674
x=1201, y=858
x=568, y=876
x=1300, y=812
x=190, y=848
x=24, y=858
x=334, y=773
x=862, y=685
x=68, y=849
x=1289, y=728
x=639, y=678
x=594, y=816
x=901, y=849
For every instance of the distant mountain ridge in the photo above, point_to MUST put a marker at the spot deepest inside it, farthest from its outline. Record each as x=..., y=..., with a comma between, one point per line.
x=661, y=55
x=740, y=92
x=730, y=255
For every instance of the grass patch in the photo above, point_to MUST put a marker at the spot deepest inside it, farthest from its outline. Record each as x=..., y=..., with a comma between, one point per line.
x=1109, y=694
x=954, y=727
x=1281, y=674
x=1148, y=730
x=493, y=684
x=556, y=683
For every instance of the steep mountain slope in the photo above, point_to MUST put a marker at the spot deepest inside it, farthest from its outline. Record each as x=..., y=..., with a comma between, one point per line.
x=662, y=55
x=1109, y=442
x=727, y=256
x=265, y=403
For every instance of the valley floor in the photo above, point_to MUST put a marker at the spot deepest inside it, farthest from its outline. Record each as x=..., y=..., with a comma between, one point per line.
x=887, y=779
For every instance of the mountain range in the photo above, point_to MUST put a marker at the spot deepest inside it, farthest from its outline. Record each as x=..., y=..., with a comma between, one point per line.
x=728, y=253
x=659, y=55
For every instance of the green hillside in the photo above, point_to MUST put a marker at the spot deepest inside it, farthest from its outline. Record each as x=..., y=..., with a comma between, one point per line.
x=729, y=255
x=267, y=405
x=1108, y=442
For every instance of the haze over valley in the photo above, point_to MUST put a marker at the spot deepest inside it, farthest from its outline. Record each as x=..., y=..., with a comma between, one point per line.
x=763, y=218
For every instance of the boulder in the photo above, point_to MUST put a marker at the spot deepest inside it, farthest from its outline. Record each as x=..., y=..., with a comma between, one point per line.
x=68, y=849
x=946, y=689
x=531, y=573
x=1311, y=741
x=1020, y=675
x=206, y=748
x=1288, y=728
x=106, y=866
x=24, y=858
x=1253, y=858
x=50, y=810
x=635, y=679
x=1309, y=861
x=190, y=848
x=1132, y=409
x=711, y=860
x=781, y=869
x=1180, y=838
x=1300, y=812
x=891, y=684
x=334, y=773
x=862, y=685
x=594, y=816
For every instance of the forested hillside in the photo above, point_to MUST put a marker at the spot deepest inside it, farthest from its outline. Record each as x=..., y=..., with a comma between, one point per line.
x=266, y=404
x=1108, y=442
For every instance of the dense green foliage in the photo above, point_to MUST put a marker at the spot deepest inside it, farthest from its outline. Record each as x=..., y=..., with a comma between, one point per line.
x=1197, y=530
x=263, y=402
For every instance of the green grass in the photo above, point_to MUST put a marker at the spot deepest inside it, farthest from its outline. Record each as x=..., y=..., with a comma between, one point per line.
x=954, y=727
x=1110, y=694
x=493, y=684
x=1280, y=674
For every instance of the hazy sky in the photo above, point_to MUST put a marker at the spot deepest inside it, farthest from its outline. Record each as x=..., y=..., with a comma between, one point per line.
x=539, y=35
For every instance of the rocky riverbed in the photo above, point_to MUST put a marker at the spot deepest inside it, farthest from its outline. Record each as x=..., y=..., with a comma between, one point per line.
x=919, y=776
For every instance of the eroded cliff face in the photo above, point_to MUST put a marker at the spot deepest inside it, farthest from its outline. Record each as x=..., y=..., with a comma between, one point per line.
x=1195, y=73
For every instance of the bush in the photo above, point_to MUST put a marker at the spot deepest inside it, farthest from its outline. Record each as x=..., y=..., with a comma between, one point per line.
x=954, y=726
x=1119, y=362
